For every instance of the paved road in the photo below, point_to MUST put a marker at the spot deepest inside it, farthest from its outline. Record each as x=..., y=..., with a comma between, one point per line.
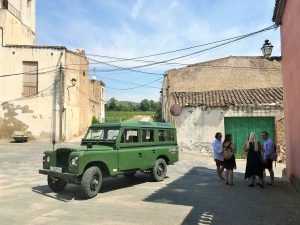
x=190, y=195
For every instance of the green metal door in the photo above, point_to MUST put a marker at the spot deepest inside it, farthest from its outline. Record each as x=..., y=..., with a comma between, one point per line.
x=241, y=127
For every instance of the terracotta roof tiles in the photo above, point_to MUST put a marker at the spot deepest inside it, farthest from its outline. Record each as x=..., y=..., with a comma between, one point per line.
x=258, y=98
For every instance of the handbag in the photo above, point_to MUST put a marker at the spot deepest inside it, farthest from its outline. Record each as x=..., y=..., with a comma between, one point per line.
x=227, y=151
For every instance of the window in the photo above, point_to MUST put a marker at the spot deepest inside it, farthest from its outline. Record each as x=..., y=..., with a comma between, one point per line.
x=130, y=136
x=30, y=78
x=147, y=135
x=165, y=135
x=102, y=134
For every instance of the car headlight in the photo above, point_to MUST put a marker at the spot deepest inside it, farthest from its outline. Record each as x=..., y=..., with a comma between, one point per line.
x=48, y=159
x=74, y=162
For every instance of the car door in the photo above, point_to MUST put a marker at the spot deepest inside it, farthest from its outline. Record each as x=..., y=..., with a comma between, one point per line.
x=130, y=157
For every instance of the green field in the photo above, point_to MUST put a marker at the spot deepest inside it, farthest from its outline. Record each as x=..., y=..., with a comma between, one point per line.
x=116, y=116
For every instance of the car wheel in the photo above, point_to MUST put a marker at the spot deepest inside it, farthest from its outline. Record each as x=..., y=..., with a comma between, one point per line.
x=159, y=171
x=91, y=182
x=56, y=184
x=129, y=174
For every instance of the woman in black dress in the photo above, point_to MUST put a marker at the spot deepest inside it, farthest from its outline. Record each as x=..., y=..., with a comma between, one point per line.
x=254, y=166
x=229, y=158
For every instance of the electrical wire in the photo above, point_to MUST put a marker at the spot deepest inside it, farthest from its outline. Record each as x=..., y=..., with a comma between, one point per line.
x=139, y=86
x=29, y=72
x=231, y=40
x=200, y=51
x=187, y=48
x=135, y=87
x=28, y=96
x=122, y=81
x=183, y=49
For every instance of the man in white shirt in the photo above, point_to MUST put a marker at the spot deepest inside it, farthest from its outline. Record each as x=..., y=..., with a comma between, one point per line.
x=218, y=155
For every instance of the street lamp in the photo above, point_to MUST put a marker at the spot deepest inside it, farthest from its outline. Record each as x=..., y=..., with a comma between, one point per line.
x=267, y=49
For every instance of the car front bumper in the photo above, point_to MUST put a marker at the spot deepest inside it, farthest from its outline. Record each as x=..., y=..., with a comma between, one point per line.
x=71, y=178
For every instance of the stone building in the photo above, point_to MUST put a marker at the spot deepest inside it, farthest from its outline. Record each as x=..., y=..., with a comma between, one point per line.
x=45, y=91
x=234, y=95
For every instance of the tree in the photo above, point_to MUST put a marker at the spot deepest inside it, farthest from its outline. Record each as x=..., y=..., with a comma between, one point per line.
x=112, y=104
x=145, y=105
x=158, y=112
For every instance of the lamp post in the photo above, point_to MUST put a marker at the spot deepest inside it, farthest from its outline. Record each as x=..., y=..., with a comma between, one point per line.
x=267, y=49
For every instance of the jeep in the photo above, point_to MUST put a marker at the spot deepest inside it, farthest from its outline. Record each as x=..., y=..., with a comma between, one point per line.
x=111, y=149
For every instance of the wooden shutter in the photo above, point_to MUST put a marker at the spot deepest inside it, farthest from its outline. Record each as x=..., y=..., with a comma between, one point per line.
x=30, y=78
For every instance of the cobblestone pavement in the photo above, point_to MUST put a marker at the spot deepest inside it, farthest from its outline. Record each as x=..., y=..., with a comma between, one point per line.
x=190, y=195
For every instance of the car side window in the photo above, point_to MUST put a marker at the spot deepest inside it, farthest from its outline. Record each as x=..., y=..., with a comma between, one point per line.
x=130, y=136
x=147, y=135
x=165, y=135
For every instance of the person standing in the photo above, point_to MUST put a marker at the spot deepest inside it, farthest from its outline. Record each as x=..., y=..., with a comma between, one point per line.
x=229, y=158
x=218, y=156
x=254, y=166
x=269, y=155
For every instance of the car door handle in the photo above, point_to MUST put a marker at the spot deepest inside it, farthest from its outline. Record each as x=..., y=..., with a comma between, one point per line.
x=140, y=154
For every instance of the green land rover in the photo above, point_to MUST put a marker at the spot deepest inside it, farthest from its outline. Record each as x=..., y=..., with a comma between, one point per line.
x=111, y=149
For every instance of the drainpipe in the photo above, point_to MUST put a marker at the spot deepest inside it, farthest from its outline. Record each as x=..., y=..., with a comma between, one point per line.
x=2, y=36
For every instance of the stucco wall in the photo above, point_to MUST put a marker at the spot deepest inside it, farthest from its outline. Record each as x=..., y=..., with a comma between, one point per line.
x=290, y=36
x=34, y=114
x=15, y=31
x=196, y=127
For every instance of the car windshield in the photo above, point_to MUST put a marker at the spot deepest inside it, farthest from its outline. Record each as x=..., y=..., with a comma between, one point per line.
x=102, y=133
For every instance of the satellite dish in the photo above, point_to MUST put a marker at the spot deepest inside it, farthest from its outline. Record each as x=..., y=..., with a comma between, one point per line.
x=175, y=110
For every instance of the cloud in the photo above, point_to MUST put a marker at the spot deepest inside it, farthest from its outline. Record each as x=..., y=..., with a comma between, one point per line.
x=137, y=8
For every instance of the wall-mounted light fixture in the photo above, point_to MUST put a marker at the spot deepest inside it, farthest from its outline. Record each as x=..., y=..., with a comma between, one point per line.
x=73, y=83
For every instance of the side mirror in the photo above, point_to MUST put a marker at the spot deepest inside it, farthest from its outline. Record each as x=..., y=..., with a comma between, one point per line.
x=89, y=145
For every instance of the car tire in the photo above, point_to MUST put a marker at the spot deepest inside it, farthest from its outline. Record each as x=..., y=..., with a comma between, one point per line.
x=91, y=182
x=159, y=171
x=129, y=174
x=56, y=184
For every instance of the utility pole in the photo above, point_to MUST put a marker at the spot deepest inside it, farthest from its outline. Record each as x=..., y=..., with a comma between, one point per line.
x=54, y=94
x=61, y=100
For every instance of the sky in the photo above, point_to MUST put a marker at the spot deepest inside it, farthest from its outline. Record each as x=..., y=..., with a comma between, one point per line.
x=135, y=28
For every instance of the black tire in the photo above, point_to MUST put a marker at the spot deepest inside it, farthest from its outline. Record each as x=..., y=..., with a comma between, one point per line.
x=56, y=184
x=129, y=174
x=159, y=171
x=91, y=182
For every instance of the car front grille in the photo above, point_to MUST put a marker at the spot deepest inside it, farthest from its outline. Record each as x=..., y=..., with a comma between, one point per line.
x=62, y=159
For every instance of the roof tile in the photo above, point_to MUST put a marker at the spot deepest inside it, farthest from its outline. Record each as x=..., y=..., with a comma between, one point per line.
x=258, y=98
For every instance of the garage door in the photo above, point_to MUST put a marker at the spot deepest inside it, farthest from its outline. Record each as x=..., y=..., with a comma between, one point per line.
x=241, y=127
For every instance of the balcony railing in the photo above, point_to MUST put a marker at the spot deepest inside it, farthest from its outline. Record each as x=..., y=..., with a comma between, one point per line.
x=11, y=9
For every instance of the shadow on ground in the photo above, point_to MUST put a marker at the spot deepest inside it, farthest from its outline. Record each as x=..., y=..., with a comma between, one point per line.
x=73, y=192
x=213, y=202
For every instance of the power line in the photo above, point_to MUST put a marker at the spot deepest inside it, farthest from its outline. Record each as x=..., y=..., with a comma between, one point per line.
x=103, y=71
x=135, y=87
x=29, y=72
x=139, y=86
x=133, y=69
x=122, y=81
x=28, y=96
x=231, y=40
x=200, y=51
x=184, y=49
x=120, y=59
